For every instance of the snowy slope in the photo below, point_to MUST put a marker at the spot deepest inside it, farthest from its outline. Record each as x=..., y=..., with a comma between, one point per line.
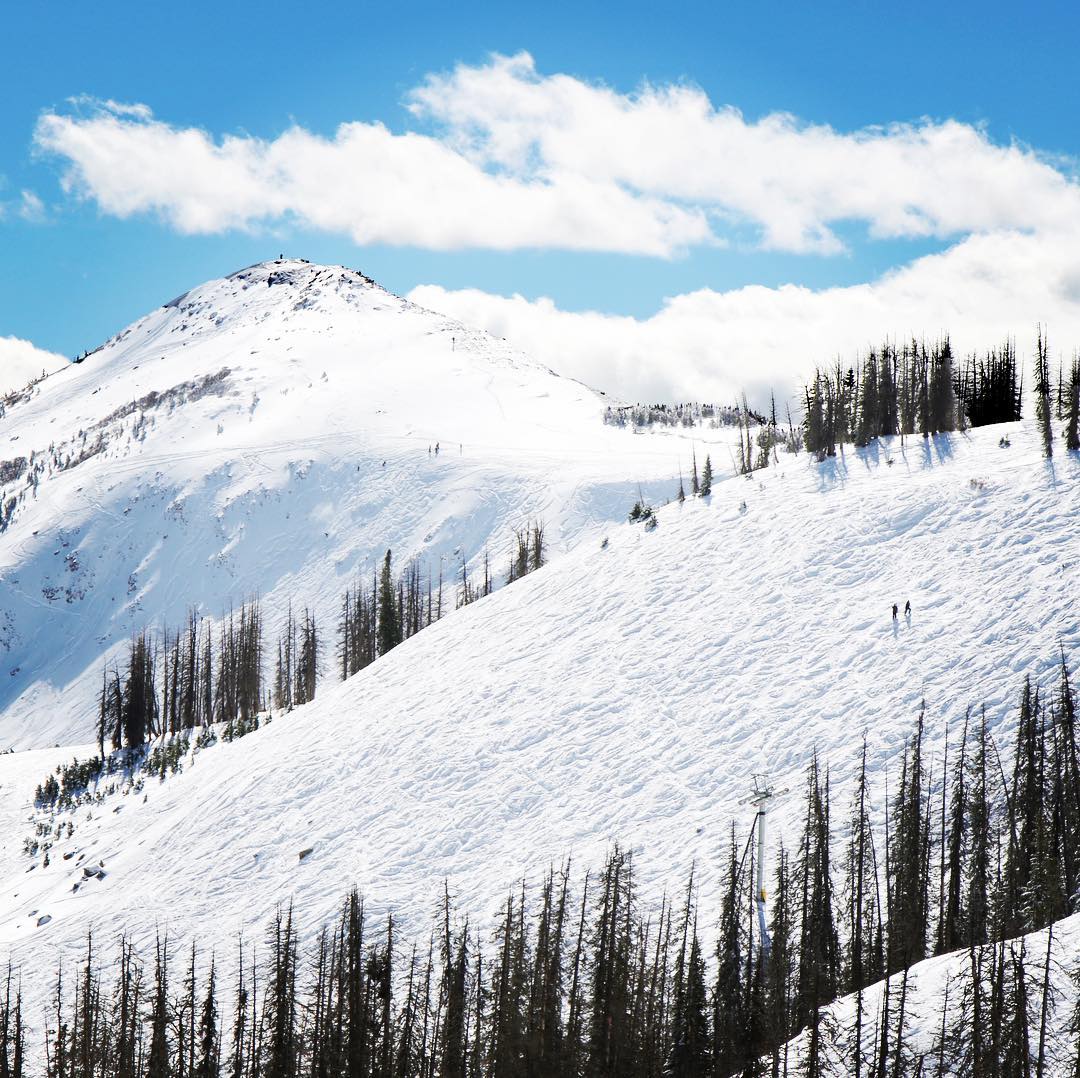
x=939, y=988
x=621, y=693
x=268, y=434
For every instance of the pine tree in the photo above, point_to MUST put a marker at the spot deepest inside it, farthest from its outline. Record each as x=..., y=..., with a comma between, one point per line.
x=864, y=964
x=139, y=698
x=942, y=396
x=1043, y=411
x=689, y=1057
x=980, y=825
x=952, y=929
x=206, y=1065
x=908, y=863
x=887, y=393
x=819, y=948
x=281, y=1038
x=869, y=422
x=1072, y=408
x=389, y=628
x=536, y=547
x=706, y=477
x=157, y=1064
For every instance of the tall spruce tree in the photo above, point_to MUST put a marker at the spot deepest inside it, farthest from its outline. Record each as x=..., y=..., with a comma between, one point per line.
x=389, y=628
x=909, y=862
x=1072, y=407
x=1043, y=409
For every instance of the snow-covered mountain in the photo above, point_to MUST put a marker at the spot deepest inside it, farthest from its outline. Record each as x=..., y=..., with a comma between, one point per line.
x=273, y=433
x=269, y=433
x=627, y=692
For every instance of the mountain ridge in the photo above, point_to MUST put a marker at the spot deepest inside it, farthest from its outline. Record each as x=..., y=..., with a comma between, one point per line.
x=272, y=433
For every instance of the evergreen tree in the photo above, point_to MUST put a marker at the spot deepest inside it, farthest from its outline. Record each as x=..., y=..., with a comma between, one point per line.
x=389, y=628
x=139, y=699
x=157, y=1063
x=909, y=863
x=1043, y=411
x=818, y=972
x=207, y=1060
x=952, y=930
x=887, y=393
x=689, y=1056
x=706, y=477
x=1072, y=407
x=942, y=395
x=982, y=838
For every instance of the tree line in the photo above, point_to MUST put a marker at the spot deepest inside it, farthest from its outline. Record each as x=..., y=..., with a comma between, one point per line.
x=582, y=980
x=683, y=414
x=918, y=388
x=192, y=678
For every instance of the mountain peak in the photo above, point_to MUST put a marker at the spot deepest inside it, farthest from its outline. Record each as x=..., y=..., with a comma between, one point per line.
x=301, y=273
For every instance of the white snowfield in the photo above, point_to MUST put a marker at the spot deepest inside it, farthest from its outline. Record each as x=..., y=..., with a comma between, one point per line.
x=271, y=434
x=627, y=692
x=622, y=693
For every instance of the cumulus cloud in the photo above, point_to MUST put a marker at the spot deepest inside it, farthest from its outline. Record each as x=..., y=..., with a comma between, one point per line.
x=708, y=345
x=364, y=182
x=793, y=180
x=20, y=361
x=514, y=158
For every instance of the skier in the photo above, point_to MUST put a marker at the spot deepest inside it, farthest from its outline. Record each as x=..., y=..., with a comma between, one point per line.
x=436, y=449
x=895, y=611
x=907, y=609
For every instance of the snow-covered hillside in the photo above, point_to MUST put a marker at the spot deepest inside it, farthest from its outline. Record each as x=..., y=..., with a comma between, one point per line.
x=627, y=691
x=273, y=433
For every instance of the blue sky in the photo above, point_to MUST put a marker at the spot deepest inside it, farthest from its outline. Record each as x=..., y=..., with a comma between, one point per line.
x=75, y=272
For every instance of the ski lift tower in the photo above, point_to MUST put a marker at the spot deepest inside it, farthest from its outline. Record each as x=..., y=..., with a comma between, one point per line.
x=762, y=795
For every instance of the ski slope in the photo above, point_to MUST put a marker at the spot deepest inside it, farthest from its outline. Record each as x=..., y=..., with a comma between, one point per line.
x=624, y=692
x=271, y=434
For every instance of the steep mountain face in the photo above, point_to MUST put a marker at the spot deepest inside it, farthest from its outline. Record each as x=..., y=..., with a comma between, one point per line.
x=271, y=434
x=626, y=692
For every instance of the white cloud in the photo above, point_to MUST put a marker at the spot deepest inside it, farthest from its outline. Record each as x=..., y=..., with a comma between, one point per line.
x=31, y=208
x=793, y=180
x=517, y=159
x=510, y=158
x=365, y=182
x=709, y=345
x=20, y=361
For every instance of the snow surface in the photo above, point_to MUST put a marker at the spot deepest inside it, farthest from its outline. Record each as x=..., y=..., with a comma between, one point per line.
x=625, y=692
x=285, y=477
x=621, y=693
